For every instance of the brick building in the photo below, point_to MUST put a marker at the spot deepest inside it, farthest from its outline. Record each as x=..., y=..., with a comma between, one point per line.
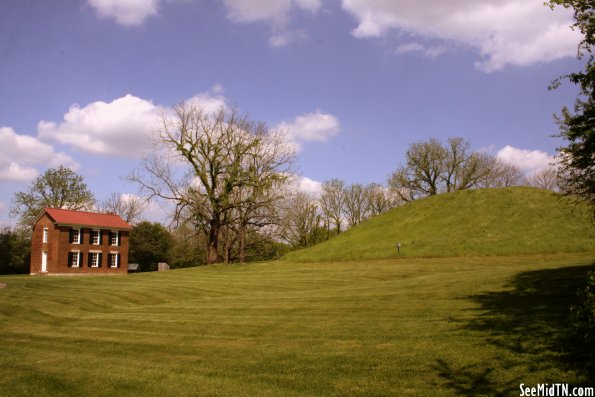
x=76, y=242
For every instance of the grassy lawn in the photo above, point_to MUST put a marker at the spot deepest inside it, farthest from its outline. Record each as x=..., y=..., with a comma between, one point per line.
x=445, y=326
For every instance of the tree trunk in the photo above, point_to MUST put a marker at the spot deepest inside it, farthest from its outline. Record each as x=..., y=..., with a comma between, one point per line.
x=213, y=242
x=242, y=241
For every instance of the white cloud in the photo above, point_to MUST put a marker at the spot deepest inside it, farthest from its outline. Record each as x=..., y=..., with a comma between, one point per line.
x=125, y=12
x=427, y=51
x=529, y=161
x=123, y=127
x=2, y=206
x=505, y=32
x=315, y=126
x=286, y=37
x=275, y=12
x=21, y=154
x=119, y=128
x=208, y=102
x=310, y=186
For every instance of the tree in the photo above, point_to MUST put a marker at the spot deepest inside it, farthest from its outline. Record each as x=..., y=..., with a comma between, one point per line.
x=257, y=202
x=577, y=127
x=332, y=201
x=15, y=251
x=129, y=208
x=150, y=243
x=188, y=247
x=431, y=168
x=380, y=199
x=57, y=188
x=356, y=204
x=211, y=167
x=546, y=178
x=497, y=173
x=425, y=166
x=302, y=225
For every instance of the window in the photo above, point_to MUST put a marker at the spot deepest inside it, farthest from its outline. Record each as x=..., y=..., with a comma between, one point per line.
x=95, y=237
x=113, y=260
x=75, y=259
x=114, y=238
x=94, y=259
x=45, y=234
x=76, y=236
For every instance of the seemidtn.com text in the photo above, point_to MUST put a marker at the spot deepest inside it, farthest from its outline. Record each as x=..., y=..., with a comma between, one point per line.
x=556, y=390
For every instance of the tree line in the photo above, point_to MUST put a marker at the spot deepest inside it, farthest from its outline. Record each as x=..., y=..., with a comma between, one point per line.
x=235, y=196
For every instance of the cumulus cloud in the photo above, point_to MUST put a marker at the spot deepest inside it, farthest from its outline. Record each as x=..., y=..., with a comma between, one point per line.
x=21, y=154
x=118, y=128
x=427, y=51
x=275, y=12
x=284, y=38
x=125, y=12
x=121, y=128
x=504, y=32
x=315, y=126
x=310, y=186
x=208, y=102
x=529, y=161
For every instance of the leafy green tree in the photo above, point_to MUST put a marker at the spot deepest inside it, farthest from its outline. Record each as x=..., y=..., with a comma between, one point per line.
x=577, y=127
x=15, y=251
x=188, y=247
x=57, y=188
x=150, y=243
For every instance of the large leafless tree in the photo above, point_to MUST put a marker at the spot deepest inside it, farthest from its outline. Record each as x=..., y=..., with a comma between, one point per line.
x=219, y=169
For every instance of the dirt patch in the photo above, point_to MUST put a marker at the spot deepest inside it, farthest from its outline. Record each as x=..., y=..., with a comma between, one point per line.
x=2, y=285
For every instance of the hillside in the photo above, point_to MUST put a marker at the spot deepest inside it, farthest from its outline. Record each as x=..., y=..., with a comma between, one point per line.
x=509, y=221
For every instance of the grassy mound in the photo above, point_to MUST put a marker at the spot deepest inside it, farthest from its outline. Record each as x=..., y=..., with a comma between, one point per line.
x=511, y=221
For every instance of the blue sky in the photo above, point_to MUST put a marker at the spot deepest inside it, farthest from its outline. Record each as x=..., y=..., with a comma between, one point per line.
x=353, y=82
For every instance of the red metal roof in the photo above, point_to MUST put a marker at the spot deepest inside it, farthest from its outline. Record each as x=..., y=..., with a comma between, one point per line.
x=80, y=218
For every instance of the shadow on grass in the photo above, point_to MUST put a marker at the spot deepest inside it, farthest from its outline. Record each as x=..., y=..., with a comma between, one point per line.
x=471, y=380
x=532, y=320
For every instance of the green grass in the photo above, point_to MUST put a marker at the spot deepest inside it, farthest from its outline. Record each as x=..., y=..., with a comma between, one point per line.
x=512, y=221
x=443, y=326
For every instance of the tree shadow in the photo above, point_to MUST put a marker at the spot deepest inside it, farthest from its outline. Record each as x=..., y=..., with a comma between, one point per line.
x=532, y=319
x=471, y=380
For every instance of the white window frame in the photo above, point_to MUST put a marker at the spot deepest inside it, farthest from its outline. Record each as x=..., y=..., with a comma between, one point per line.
x=113, y=255
x=76, y=262
x=93, y=231
x=115, y=237
x=45, y=235
x=78, y=236
x=94, y=259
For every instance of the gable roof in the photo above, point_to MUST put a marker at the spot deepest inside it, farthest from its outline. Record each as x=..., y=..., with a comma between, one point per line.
x=80, y=218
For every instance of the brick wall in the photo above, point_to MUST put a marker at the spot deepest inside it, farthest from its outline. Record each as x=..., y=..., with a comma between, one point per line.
x=59, y=245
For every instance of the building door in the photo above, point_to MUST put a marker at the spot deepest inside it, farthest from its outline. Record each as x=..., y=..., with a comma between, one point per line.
x=44, y=261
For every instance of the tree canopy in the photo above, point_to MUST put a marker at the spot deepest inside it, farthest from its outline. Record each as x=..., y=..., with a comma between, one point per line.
x=223, y=173
x=577, y=126
x=432, y=168
x=57, y=188
x=150, y=243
